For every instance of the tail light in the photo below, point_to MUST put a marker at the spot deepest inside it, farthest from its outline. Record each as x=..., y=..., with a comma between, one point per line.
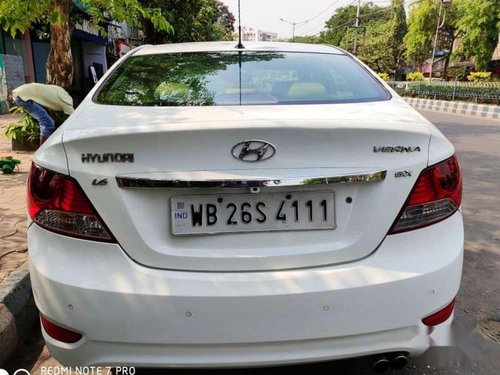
x=439, y=316
x=437, y=195
x=59, y=333
x=56, y=202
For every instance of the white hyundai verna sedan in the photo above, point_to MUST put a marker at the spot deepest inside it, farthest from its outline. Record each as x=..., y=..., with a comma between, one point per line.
x=207, y=206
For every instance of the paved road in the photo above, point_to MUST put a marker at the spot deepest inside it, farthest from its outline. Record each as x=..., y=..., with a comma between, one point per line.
x=478, y=305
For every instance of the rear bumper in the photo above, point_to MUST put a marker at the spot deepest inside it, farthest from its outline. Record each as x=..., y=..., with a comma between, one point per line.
x=133, y=315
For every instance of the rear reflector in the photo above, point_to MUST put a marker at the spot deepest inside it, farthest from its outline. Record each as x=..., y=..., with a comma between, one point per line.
x=440, y=316
x=56, y=202
x=59, y=333
x=437, y=195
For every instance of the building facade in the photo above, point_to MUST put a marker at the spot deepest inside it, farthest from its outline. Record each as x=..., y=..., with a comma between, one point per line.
x=249, y=34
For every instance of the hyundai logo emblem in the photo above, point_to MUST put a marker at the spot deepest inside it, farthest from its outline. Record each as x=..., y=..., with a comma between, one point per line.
x=253, y=151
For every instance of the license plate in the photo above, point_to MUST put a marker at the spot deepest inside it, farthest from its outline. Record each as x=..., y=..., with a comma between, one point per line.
x=226, y=213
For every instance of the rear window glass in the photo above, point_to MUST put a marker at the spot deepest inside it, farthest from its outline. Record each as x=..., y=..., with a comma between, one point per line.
x=233, y=78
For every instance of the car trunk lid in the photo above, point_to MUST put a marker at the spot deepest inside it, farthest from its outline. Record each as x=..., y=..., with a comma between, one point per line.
x=347, y=154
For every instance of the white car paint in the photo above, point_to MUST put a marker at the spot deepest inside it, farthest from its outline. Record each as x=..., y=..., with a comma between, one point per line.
x=248, y=298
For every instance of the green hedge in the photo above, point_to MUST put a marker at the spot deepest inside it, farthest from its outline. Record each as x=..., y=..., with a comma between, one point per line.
x=477, y=92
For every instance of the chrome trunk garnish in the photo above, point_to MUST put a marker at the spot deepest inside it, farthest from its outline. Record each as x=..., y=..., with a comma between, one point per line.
x=143, y=182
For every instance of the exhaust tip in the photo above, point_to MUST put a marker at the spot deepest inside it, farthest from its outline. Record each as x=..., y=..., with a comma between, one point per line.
x=380, y=366
x=379, y=363
x=399, y=362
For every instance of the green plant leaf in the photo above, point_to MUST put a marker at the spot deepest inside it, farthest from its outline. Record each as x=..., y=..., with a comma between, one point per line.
x=55, y=17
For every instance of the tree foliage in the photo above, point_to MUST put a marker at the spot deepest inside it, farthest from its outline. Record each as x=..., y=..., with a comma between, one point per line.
x=338, y=25
x=373, y=47
x=17, y=16
x=380, y=34
x=397, y=31
x=387, y=39
x=308, y=39
x=479, y=26
x=341, y=23
x=225, y=17
x=422, y=24
x=192, y=20
x=475, y=22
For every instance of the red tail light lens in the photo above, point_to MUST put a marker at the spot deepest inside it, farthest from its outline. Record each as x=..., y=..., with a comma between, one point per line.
x=440, y=316
x=57, y=203
x=59, y=333
x=437, y=195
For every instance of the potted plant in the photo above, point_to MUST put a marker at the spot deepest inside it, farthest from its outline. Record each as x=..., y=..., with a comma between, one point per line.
x=24, y=133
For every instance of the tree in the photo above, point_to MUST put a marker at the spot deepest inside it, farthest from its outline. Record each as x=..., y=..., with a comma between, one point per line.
x=17, y=16
x=422, y=24
x=374, y=34
x=192, y=20
x=225, y=17
x=374, y=48
x=479, y=25
x=397, y=31
x=307, y=39
x=338, y=26
x=381, y=46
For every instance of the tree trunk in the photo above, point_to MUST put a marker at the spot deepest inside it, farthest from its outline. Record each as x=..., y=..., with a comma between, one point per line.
x=447, y=60
x=60, y=60
x=445, y=69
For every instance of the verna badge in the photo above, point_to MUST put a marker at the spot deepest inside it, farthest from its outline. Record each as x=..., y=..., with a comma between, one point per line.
x=253, y=151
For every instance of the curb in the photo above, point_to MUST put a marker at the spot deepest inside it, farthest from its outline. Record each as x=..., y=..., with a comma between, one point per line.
x=17, y=310
x=485, y=111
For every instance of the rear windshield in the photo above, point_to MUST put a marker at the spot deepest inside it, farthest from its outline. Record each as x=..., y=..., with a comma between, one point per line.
x=239, y=78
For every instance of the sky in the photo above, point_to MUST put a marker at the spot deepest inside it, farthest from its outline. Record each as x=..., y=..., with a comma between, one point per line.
x=265, y=14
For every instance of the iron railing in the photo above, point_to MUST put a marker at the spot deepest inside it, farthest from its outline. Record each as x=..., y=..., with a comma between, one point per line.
x=477, y=92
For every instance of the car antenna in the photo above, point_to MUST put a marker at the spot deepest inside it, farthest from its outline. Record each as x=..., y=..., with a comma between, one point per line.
x=239, y=70
x=239, y=45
